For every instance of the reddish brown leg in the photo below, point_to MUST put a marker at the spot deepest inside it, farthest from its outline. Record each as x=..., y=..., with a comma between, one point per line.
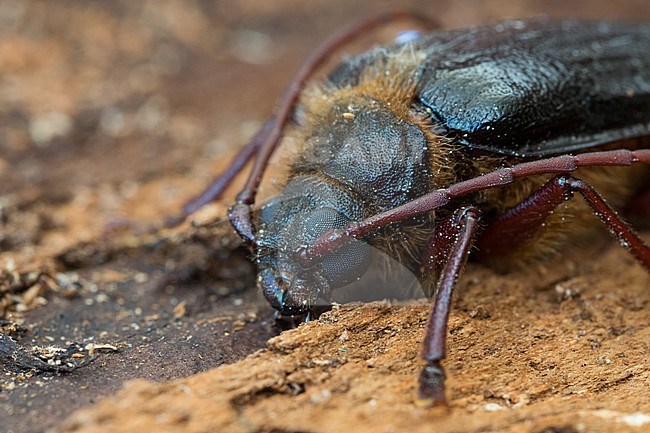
x=458, y=233
x=520, y=223
x=331, y=240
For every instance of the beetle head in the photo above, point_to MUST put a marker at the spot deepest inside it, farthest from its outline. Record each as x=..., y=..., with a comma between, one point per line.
x=357, y=157
x=286, y=226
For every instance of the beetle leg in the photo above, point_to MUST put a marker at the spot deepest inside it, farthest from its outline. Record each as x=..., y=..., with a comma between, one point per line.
x=332, y=239
x=459, y=233
x=519, y=224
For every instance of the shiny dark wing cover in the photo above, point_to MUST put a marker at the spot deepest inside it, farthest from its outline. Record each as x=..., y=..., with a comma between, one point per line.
x=532, y=88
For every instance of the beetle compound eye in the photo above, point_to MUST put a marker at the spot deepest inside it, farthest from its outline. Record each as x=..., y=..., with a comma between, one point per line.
x=350, y=261
x=347, y=264
x=321, y=220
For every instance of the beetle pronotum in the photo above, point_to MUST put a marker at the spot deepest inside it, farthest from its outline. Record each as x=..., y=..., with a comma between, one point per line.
x=452, y=139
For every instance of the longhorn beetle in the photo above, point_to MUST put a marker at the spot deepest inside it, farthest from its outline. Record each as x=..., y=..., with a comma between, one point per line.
x=450, y=140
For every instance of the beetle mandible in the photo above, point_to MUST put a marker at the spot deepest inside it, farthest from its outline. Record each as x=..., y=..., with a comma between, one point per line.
x=425, y=139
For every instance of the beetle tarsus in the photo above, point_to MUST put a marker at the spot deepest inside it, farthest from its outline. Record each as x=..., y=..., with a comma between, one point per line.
x=431, y=385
